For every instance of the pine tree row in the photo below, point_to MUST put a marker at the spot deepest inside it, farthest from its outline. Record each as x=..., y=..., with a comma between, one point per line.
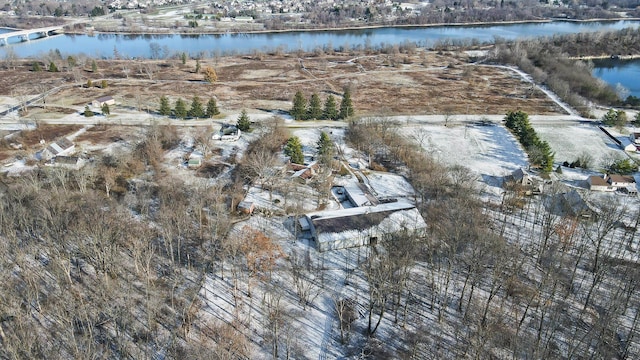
x=313, y=109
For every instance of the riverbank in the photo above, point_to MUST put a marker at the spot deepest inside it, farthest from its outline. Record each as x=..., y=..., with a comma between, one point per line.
x=191, y=31
x=606, y=57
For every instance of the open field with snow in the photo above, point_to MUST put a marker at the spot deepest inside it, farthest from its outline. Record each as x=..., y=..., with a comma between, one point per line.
x=569, y=142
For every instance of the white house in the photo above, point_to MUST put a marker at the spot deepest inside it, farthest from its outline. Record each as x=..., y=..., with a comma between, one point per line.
x=358, y=226
x=599, y=183
x=620, y=181
x=624, y=183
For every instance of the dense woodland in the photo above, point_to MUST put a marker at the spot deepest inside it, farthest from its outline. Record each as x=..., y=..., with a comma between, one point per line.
x=108, y=262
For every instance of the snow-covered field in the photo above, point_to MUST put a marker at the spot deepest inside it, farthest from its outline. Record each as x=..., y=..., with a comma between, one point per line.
x=569, y=142
x=485, y=149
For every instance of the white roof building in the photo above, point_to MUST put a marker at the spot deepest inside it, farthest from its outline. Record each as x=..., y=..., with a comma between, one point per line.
x=359, y=226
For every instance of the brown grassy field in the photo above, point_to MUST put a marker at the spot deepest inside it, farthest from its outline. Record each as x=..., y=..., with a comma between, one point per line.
x=421, y=82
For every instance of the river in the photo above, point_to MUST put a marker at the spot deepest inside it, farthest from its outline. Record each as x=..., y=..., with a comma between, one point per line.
x=621, y=74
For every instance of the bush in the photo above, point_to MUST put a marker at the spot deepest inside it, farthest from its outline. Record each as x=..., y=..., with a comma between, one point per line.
x=623, y=167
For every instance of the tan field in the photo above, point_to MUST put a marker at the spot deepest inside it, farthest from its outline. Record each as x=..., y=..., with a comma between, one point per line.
x=399, y=84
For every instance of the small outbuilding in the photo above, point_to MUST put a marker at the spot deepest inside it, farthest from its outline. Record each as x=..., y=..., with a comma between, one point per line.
x=194, y=162
x=246, y=207
x=105, y=100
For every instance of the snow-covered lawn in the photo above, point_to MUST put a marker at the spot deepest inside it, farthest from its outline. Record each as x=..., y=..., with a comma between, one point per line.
x=485, y=149
x=571, y=141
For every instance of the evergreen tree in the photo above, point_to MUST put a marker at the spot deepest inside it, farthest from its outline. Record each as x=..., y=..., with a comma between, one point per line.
x=293, y=149
x=623, y=167
x=212, y=108
x=615, y=118
x=105, y=109
x=330, y=111
x=315, y=107
x=539, y=151
x=36, y=66
x=89, y=83
x=94, y=66
x=103, y=84
x=244, y=123
x=53, y=67
x=165, y=108
x=636, y=120
x=180, y=109
x=197, y=66
x=71, y=61
x=325, y=147
x=346, y=107
x=183, y=58
x=87, y=112
x=540, y=154
x=299, y=109
x=196, y=109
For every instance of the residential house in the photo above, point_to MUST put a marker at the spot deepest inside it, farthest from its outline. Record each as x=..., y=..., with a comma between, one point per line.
x=620, y=181
x=63, y=146
x=521, y=177
x=613, y=182
x=302, y=173
x=101, y=101
x=599, y=183
x=524, y=180
x=358, y=226
x=571, y=204
x=227, y=132
x=635, y=137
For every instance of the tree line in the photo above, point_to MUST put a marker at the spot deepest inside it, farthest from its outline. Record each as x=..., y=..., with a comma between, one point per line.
x=539, y=151
x=312, y=109
x=196, y=110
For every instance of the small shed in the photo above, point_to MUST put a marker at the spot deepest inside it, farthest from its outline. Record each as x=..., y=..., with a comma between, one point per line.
x=101, y=101
x=194, y=162
x=246, y=207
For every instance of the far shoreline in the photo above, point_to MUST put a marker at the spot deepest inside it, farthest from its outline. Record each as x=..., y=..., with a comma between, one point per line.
x=347, y=28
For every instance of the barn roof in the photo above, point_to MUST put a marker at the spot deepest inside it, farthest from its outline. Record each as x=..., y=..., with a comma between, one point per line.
x=353, y=222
